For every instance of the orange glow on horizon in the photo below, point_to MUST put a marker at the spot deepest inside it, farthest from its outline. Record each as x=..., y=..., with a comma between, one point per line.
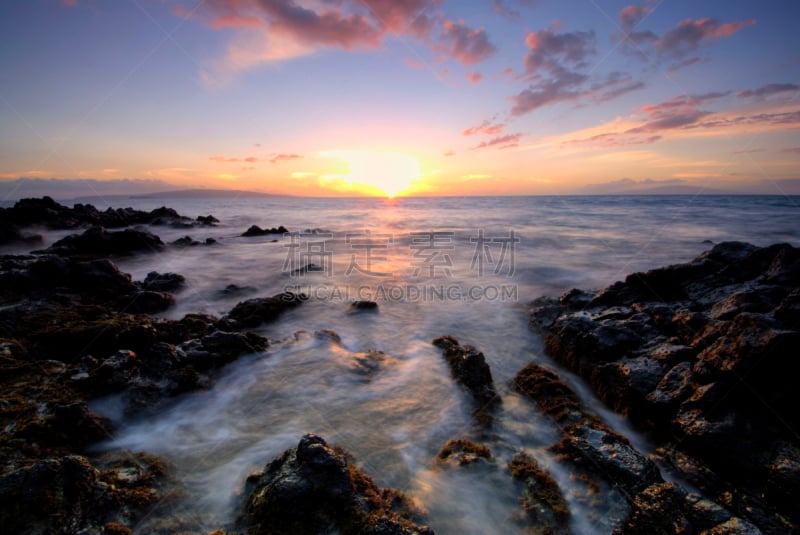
x=376, y=173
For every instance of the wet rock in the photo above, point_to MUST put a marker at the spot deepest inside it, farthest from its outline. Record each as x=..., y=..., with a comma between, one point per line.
x=146, y=302
x=702, y=352
x=469, y=368
x=462, y=452
x=163, y=282
x=315, y=488
x=255, y=230
x=97, y=241
x=63, y=487
x=367, y=363
x=553, y=396
x=254, y=312
x=544, y=504
x=186, y=241
x=235, y=289
x=207, y=219
x=362, y=306
x=657, y=510
x=230, y=344
x=734, y=526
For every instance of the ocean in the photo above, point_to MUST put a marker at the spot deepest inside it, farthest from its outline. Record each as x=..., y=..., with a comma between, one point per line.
x=465, y=267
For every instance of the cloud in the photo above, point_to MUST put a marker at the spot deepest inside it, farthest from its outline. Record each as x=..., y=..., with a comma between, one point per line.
x=676, y=43
x=466, y=45
x=501, y=142
x=449, y=153
x=791, y=150
x=70, y=3
x=555, y=66
x=275, y=30
x=486, y=127
x=678, y=112
x=613, y=139
x=225, y=159
x=767, y=90
x=687, y=36
x=284, y=157
x=564, y=88
x=474, y=77
x=550, y=51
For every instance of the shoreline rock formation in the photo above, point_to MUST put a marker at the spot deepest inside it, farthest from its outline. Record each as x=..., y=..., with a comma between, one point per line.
x=701, y=357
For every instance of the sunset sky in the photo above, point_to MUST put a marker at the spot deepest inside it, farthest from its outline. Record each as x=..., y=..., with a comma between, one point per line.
x=433, y=97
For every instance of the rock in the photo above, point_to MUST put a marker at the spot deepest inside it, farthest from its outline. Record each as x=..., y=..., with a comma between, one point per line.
x=734, y=526
x=543, y=502
x=146, y=301
x=703, y=352
x=553, y=396
x=254, y=312
x=361, y=306
x=255, y=230
x=235, y=289
x=462, y=452
x=96, y=241
x=469, y=368
x=207, y=220
x=186, y=241
x=658, y=509
x=63, y=486
x=315, y=488
x=163, y=282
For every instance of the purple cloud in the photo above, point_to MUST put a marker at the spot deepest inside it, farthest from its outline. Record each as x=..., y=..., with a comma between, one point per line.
x=486, y=127
x=501, y=142
x=466, y=45
x=767, y=90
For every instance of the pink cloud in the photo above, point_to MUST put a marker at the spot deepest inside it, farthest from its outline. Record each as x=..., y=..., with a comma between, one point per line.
x=486, y=127
x=677, y=112
x=613, y=139
x=284, y=157
x=466, y=45
x=225, y=159
x=768, y=90
x=501, y=142
x=688, y=34
x=474, y=77
x=70, y=3
x=551, y=51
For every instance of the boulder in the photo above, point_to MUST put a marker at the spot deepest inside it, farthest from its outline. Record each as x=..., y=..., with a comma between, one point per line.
x=97, y=241
x=254, y=312
x=315, y=488
x=255, y=230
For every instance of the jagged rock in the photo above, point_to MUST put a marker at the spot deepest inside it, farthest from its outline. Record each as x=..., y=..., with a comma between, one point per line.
x=543, y=502
x=469, y=368
x=255, y=230
x=254, y=312
x=96, y=241
x=163, y=282
x=146, y=301
x=315, y=488
x=703, y=352
x=657, y=510
x=462, y=452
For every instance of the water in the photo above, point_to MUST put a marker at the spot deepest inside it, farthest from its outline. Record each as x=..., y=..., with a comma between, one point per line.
x=395, y=412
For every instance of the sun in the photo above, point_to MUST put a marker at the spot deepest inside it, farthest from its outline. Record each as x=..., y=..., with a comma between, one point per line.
x=388, y=172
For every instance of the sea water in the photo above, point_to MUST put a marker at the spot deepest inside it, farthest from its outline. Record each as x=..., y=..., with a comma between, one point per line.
x=464, y=267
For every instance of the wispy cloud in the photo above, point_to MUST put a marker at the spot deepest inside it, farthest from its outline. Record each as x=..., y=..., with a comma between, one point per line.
x=284, y=157
x=501, y=142
x=225, y=159
x=768, y=90
x=488, y=127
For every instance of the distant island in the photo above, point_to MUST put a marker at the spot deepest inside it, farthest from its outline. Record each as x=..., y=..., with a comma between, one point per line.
x=204, y=193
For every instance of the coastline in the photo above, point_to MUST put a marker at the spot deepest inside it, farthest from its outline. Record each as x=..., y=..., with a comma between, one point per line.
x=73, y=300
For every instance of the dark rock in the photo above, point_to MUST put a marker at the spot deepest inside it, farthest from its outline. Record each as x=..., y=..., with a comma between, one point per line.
x=700, y=355
x=555, y=398
x=315, y=488
x=146, y=301
x=235, y=289
x=96, y=241
x=469, y=368
x=364, y=306
x=186, y=241
x=657, y=510
x=254, y=312
x=163, y=282
x=543, y=502
x=462, y=452
x=255, y=230
x=207, y=219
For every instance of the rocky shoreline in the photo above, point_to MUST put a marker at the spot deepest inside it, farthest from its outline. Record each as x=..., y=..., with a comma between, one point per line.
x=698, y=356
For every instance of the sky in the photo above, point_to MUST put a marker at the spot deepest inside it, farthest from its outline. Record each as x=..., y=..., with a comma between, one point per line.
x=402, y=97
